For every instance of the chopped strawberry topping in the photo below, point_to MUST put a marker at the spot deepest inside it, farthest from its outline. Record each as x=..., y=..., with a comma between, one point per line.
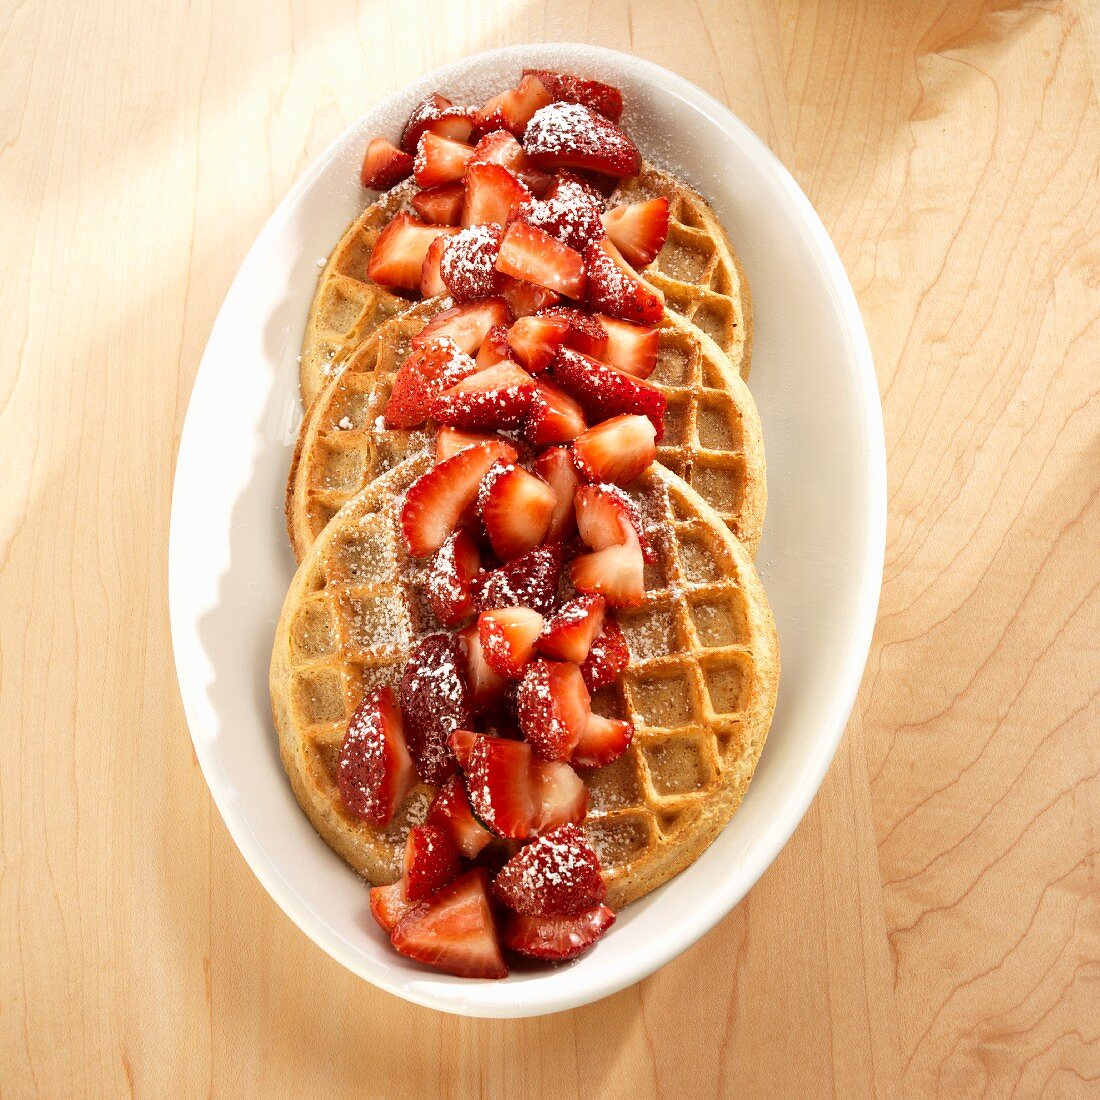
x=440, y=160
x=375, y=770
x=629, y=348
x=618, y=450
x=430, y=369
x=498, y=785
x=493, y=194
x=614, y=287
x=533, y=255
x=397, y=258
x=607, y=658
x=462, y=744
x=388, y=904
x=584, y=332
x=527, y=298
x=558, y=793
x=449, y=441
x=431, y=281
x=554, y=416
x=569, y=633
x=439, y=115
x=508, y=637
x=496, y=397
x=575, y=89
x=527, y=581
x=602, y=741
x=556, y=875
x=467, y=323
x=487, y=687
x=516, y=507
x=604, y=392
x=384, y=165
x=615, y=572
x=570, y=135
x=494, y=348
x=556, y=939
x=440, y=205
x=451, y=811
x=431, y=861
x=571, y=212
x=468, y=266
x=638, y=230
x=500, y=147
x=434, y=703
x=535, y=340
x=553, y=706
x=454, y=567
x=606, y=516
x=512, y=109
x=556, y=468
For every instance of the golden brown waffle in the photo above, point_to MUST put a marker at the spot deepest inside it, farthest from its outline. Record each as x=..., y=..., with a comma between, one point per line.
x=700, y=687
x=712, y=430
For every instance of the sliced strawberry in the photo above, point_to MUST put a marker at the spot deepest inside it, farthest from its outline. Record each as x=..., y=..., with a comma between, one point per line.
x=604, y=392
x=554, y=416
x=449, y=441
x=431, y=281
x=494, y=348
x=496, y=397
x=428, y=371
x=436, y=501
x=556, y=939
x=629, y=348
x=559, y=795
x=556, y=468
x=527, y=581
x=571, y=212
x=512, y=109
x=527, y=298
x=388, y=904
x=552, y=706
x=440, y=205
x=498, y=785
x=435, y=702
x=454, y=567
x=451, y=811
x=584, y=332
x=618, y=450
x=487, y=688
x=440, y=160
x=493, y=194
x=568, y=88
x=501, y=147
x=535, y=340
x=454, y=931
x=638, y=230
x=467, y=323
x=602, y=741
x=531, y=254
x=569, y=633
x=614, y=287
x=570, y=135
x=606, y=516
x=516, y=507
x=431, y=860
x=462, y=743
x=616, y=573
x=384, y=165
x=439, y=115
x=397, y=258
x=607, y=658
x=556, y=875
x=508, y=637
x=468, y=266
x=375, y=770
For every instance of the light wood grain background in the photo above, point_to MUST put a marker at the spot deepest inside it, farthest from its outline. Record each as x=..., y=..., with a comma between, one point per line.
x=934, y=926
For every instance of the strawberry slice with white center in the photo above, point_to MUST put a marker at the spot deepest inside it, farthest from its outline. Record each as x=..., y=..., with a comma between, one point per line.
x=467, y=323
x=494, y=398
x=494, y=348
x=431, y=279
x=499, y=786
x=554, y=416
x=513, y=108
x=570, y=135
x=384, y=165
x=556, y=875
x=440, y=205
x=468, y=264
x=559, y=795
x=602, y=741
x=604, y=392
x=515, y=506
x=487, y=688
x=439, y=115
x=430, y=369
x=606, y=516
x=556, y=939
x=552, y=706
x=508, y=637
x=533, y=255
x=629, y=348
x=584, y=332
x=638, y=230
x=615, y=288
x=618, y=450
x=527, y=298
x=571, y=212
x=375, y=770
x=493, y=194
x=568, y=88
x=431, y=861
x=454, y=567
x=436, y=501
x=388, y=904
x=569, y=633
x=607, y=657
x=530, y=580
x=449, y=441
x=453, y=930
x=557, y=469
x=616, y=573
x=397, y=258
x=535, y=340
x=501, y=147
x=451, y=811
x=440, y=160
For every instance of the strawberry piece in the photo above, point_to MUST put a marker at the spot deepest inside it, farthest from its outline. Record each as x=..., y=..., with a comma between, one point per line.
x=615, y=288
x=553, y=707
x=388, y=904
x=451, y=811
x=638, y=230
x=468, y=266
x=556, y=468
x=512, y=109
x=499, y=787
x=515, y=507
x=559, y=795
x=496, y=397
x=535, y=340
x=435, y=502
x=616, y=573
x=607, y=657
x=375, y=770
x=430, y=369
x=431, y=861
x=570, y=135
x=454, y=931
x=567, y=88
x=571, y=212
x=493, y=194
x=618, y=450
x=556, y=939
x=487, y=688
x=494, y=348
x=527, y=581
x=554, y=416
x=431, y=281
x=604, y=392
x=440, y=205
x=501, y=147
x=397, y=258
x=467, y=323
x=449, y=441
x=602, y=741
x=629, y=348
x=439, y=115
x=533, y=255
x=384, y=165
x=606, y=516
x=584, y=332
x=454, y=567
x=462, y=744
x=556, y=875
x=569, y=633
x=508, y=637
x=527, y=298
x=440, y=160
x=434, y=703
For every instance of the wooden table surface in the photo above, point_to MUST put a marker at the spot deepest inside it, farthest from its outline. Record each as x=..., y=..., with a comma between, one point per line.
x=934, y=925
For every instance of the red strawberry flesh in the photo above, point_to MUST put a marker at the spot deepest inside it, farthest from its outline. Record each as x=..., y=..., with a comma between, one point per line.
x=375, y=769
x=556, y=875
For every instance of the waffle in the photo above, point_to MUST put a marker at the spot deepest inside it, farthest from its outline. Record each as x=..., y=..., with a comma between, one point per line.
x=712, y=431
x=700, y=687
x=696, y=269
